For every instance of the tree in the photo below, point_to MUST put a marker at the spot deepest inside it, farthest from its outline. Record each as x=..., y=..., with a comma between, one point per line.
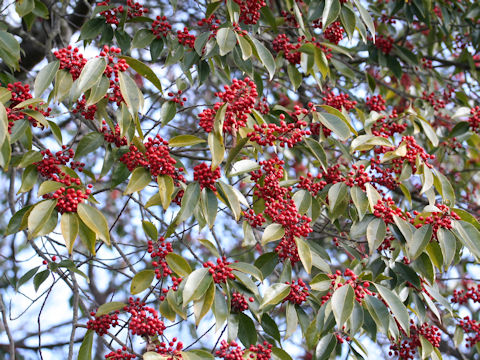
x=240, y=179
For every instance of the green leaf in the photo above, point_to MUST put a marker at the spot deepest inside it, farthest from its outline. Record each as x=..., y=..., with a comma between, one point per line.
x=141, y=281
x=150, y=230
x=210, y=206
x=331, y=11
x=242, y=167
x=49, y=186
x=202, y=306
x=274, y=294
x=342, y=304
x=142, y=39
x=334, y=123
x=247, y=333
x=69, y=226
x=39, y=216
x=337, y=195
x=447, y=244
x=167, y=112
x=196, y=355
x=219, y=309
x=178, y=264
x=444, y=187
x=396, y=306
x=63, y=84
x=9, y=49
x=25, y=277
x=197, y=283
x=244, y=46
x=217, y=148
x=109, y=308
x=131, y=94
x=85, y=352
x=92, y=28
x=304, y=253
x=468, y=235
x=376, y=231
x=184, y=140
x=95, y=221
x=143, y=70
x=325, y=347
x=264, y=56
x=318, y=151
x=231, y=197
x=166, y=188
x=87, y=236
x=45, y=77
x=421, y=238
x=248, y=269
x=98, y=91
x=88, y=144
x=189, y=201
x=29, y=179
x=140, y=179
x=367, y=19
x=348, y=19
x=91, y=73
x=294, y=76
x=226, y=40
x=24, y=7
x=40, y=278
x=272, y=232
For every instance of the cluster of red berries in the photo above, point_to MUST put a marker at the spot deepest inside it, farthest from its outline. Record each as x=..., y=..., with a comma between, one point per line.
x=144, y=320
x=250, y=10
x=205, y=176
x=68, y=199
x=311, y=184
x=255, y=220
x=471, y=327
x=384, y=44
x=239, y=303
x=158, y=252
x=386, y=127
x=120, y=354
x=298, y=292
x=280, y=207
x=334, y=32
x=161, y=27
x=185, y=38
x=113, y=15
x=385, y=209
x=360, y=287
x=220, y=271
x=474, y=119
x=240, y=98
x=339, y=101
x=290, y=50
x=156, y=159
x=290, y=19
x=170, y=349
x=436, y=102
x=113, y=137
x=442, y=219
x=21, y=93
x=103, y=323
x=71, y=60
x=177, y=97
x=285, y=134
x=406, y=349
x=462, y=296
x=114, y=66
x=316, y=127
x=358, y=177
x=427, y=64
x=376, y=103
x=233, y=351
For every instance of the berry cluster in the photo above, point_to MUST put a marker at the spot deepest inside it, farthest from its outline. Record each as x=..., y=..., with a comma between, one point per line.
x=71, y=60
x=113, y=15
x=156, y=159
x=280, y=207
x=360, y=287
x=250, y=10
x=255, y=220
x=471, y=327
x=385, y=209
x=68, y=199
x=462, y=296
x=474, y=119
x=102, y=323
x=386, y=127
x=230, y=351
x=220, y=271
x=240, y=98
x=113, y=137
x=177, y=97
x=376, y=103
x=205, y=176
x=144, y=320
x=286, y=134
x=161, y=27
x=114, y=66
x=406, y=349
x=21, y=93
x=384, y=44
x=298, y=292
x=436, y=102
x=282, y=43
x=334, y=32
x=120, y=354
x=358, y=177
x=185, y=38
x=339, y=101
x=442, y=219
x=170, y=349
x=239, y=303
x=311, y=184
x=158, y=252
